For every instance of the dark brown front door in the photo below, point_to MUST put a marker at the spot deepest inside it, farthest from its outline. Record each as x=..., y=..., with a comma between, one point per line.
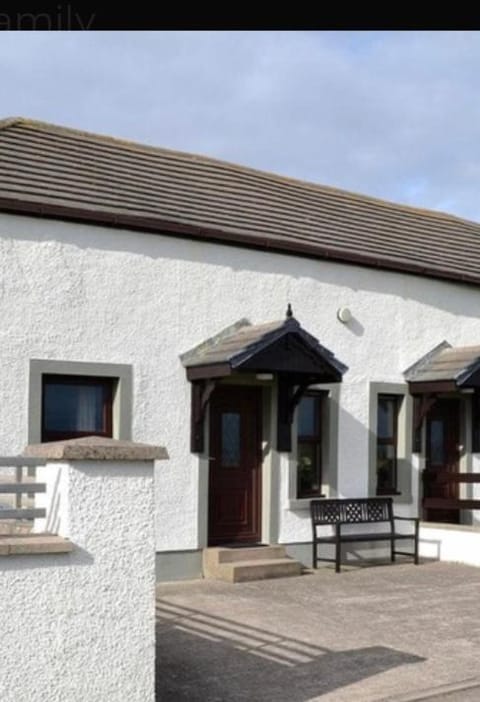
x=442, y=458
x=235, y=465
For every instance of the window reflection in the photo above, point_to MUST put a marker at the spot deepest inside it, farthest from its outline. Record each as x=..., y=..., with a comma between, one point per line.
x=309, y=446
x=437, y=453
x=230, y=439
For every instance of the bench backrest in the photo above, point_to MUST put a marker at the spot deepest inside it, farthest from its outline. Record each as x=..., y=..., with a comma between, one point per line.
x=351, y=511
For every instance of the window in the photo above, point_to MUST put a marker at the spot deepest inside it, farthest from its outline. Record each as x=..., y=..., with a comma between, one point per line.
x=231, y=441
x=75, y=406
x=309, y=446
x=54, y=384
x=387, y=443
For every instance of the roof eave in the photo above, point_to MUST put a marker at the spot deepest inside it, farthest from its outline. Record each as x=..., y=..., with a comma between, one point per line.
x=155, y=225
x=431, y=387
x=208, y=370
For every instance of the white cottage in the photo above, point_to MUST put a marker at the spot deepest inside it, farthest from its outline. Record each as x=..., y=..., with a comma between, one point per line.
x=284, y=340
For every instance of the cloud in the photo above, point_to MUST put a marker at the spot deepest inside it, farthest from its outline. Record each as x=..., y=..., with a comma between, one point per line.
x=394, y=115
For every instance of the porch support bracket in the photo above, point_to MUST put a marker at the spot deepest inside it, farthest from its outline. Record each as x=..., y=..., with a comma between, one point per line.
x=422, y=404
x=201, y=393
x=426, y=403
x=288, y=399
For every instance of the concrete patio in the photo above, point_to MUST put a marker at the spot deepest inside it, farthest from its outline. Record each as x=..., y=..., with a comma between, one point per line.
x=385, y=633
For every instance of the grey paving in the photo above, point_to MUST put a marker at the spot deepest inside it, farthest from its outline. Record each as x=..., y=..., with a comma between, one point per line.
x=394, y=633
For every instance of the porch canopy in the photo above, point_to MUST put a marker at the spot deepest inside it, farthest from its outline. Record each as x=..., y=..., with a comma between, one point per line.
x=445, y=369
x=282, y=349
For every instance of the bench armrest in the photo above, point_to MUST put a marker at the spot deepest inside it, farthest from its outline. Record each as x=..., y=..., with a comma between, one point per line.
x=408, y=519
x=416, y=525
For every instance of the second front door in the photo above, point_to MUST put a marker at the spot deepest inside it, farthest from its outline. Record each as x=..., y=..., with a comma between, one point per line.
x=442, y=459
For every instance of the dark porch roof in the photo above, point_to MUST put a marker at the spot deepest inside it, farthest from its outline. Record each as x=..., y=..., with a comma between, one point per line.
x=282, y=348
x=275, y=347
x=445, y=369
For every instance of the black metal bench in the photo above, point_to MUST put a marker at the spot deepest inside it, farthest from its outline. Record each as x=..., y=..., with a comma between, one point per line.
x=365, y=510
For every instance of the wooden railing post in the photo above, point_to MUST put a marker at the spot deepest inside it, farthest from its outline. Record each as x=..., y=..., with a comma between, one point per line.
x=16, y=512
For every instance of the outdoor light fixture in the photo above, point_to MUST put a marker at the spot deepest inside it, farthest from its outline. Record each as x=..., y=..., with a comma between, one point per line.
x=264, y=376
x=344, y=315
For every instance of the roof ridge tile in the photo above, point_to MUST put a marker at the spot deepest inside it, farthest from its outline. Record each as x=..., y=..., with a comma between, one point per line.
x=7, y=122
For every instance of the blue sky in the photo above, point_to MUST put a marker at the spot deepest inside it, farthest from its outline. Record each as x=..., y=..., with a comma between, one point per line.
x=395, y=114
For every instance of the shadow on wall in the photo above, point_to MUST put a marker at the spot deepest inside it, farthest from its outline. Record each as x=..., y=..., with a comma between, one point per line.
x=156, y=246
x=205, y=657
x=356, y=327
x=363, y=463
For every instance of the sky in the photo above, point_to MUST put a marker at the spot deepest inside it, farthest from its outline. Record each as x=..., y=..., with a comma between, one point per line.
x=391, y=114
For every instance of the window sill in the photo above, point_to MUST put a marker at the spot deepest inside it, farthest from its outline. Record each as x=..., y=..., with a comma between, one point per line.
x=401, y=498
x=34, y=545
x=303, y=503
x=388, y=493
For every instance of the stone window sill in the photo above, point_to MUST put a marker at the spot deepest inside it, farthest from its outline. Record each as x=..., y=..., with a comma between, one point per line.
x=303, y=503
x=33, y=544
x=402, y=498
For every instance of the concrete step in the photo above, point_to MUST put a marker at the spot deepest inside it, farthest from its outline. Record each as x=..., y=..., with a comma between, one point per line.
x=243, y=571
x=224, y=554
x=235, y=565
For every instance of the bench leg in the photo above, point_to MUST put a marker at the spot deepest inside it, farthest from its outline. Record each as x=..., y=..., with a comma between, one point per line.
x=392, y=549
x=415, y=559
x=338, y=551
x=314, y=555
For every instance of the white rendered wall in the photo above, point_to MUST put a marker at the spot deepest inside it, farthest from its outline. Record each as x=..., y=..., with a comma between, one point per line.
x=81, y=626
x=455, y=544
x=83, y=293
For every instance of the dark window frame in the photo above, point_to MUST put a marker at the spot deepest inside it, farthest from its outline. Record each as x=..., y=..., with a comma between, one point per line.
x=315, y=440
x=389, y=489
x=417, y=424
x=476, y=422
x=109, y=386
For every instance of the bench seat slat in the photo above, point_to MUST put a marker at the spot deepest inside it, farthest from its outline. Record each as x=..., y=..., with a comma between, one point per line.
x=363, y=537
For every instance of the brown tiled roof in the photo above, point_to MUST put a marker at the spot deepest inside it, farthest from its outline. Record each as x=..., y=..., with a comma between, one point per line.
x=58, y=172
x=240, y=346
x=229, y=343
x=445, y=363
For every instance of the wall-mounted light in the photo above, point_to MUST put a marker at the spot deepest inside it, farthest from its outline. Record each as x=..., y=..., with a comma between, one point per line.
x=264, y=376
x=344, y=315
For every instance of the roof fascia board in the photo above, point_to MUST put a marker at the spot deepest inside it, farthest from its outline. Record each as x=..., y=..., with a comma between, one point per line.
x=151, y=225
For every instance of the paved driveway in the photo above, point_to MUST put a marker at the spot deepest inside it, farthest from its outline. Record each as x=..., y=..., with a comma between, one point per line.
x=393, y=633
